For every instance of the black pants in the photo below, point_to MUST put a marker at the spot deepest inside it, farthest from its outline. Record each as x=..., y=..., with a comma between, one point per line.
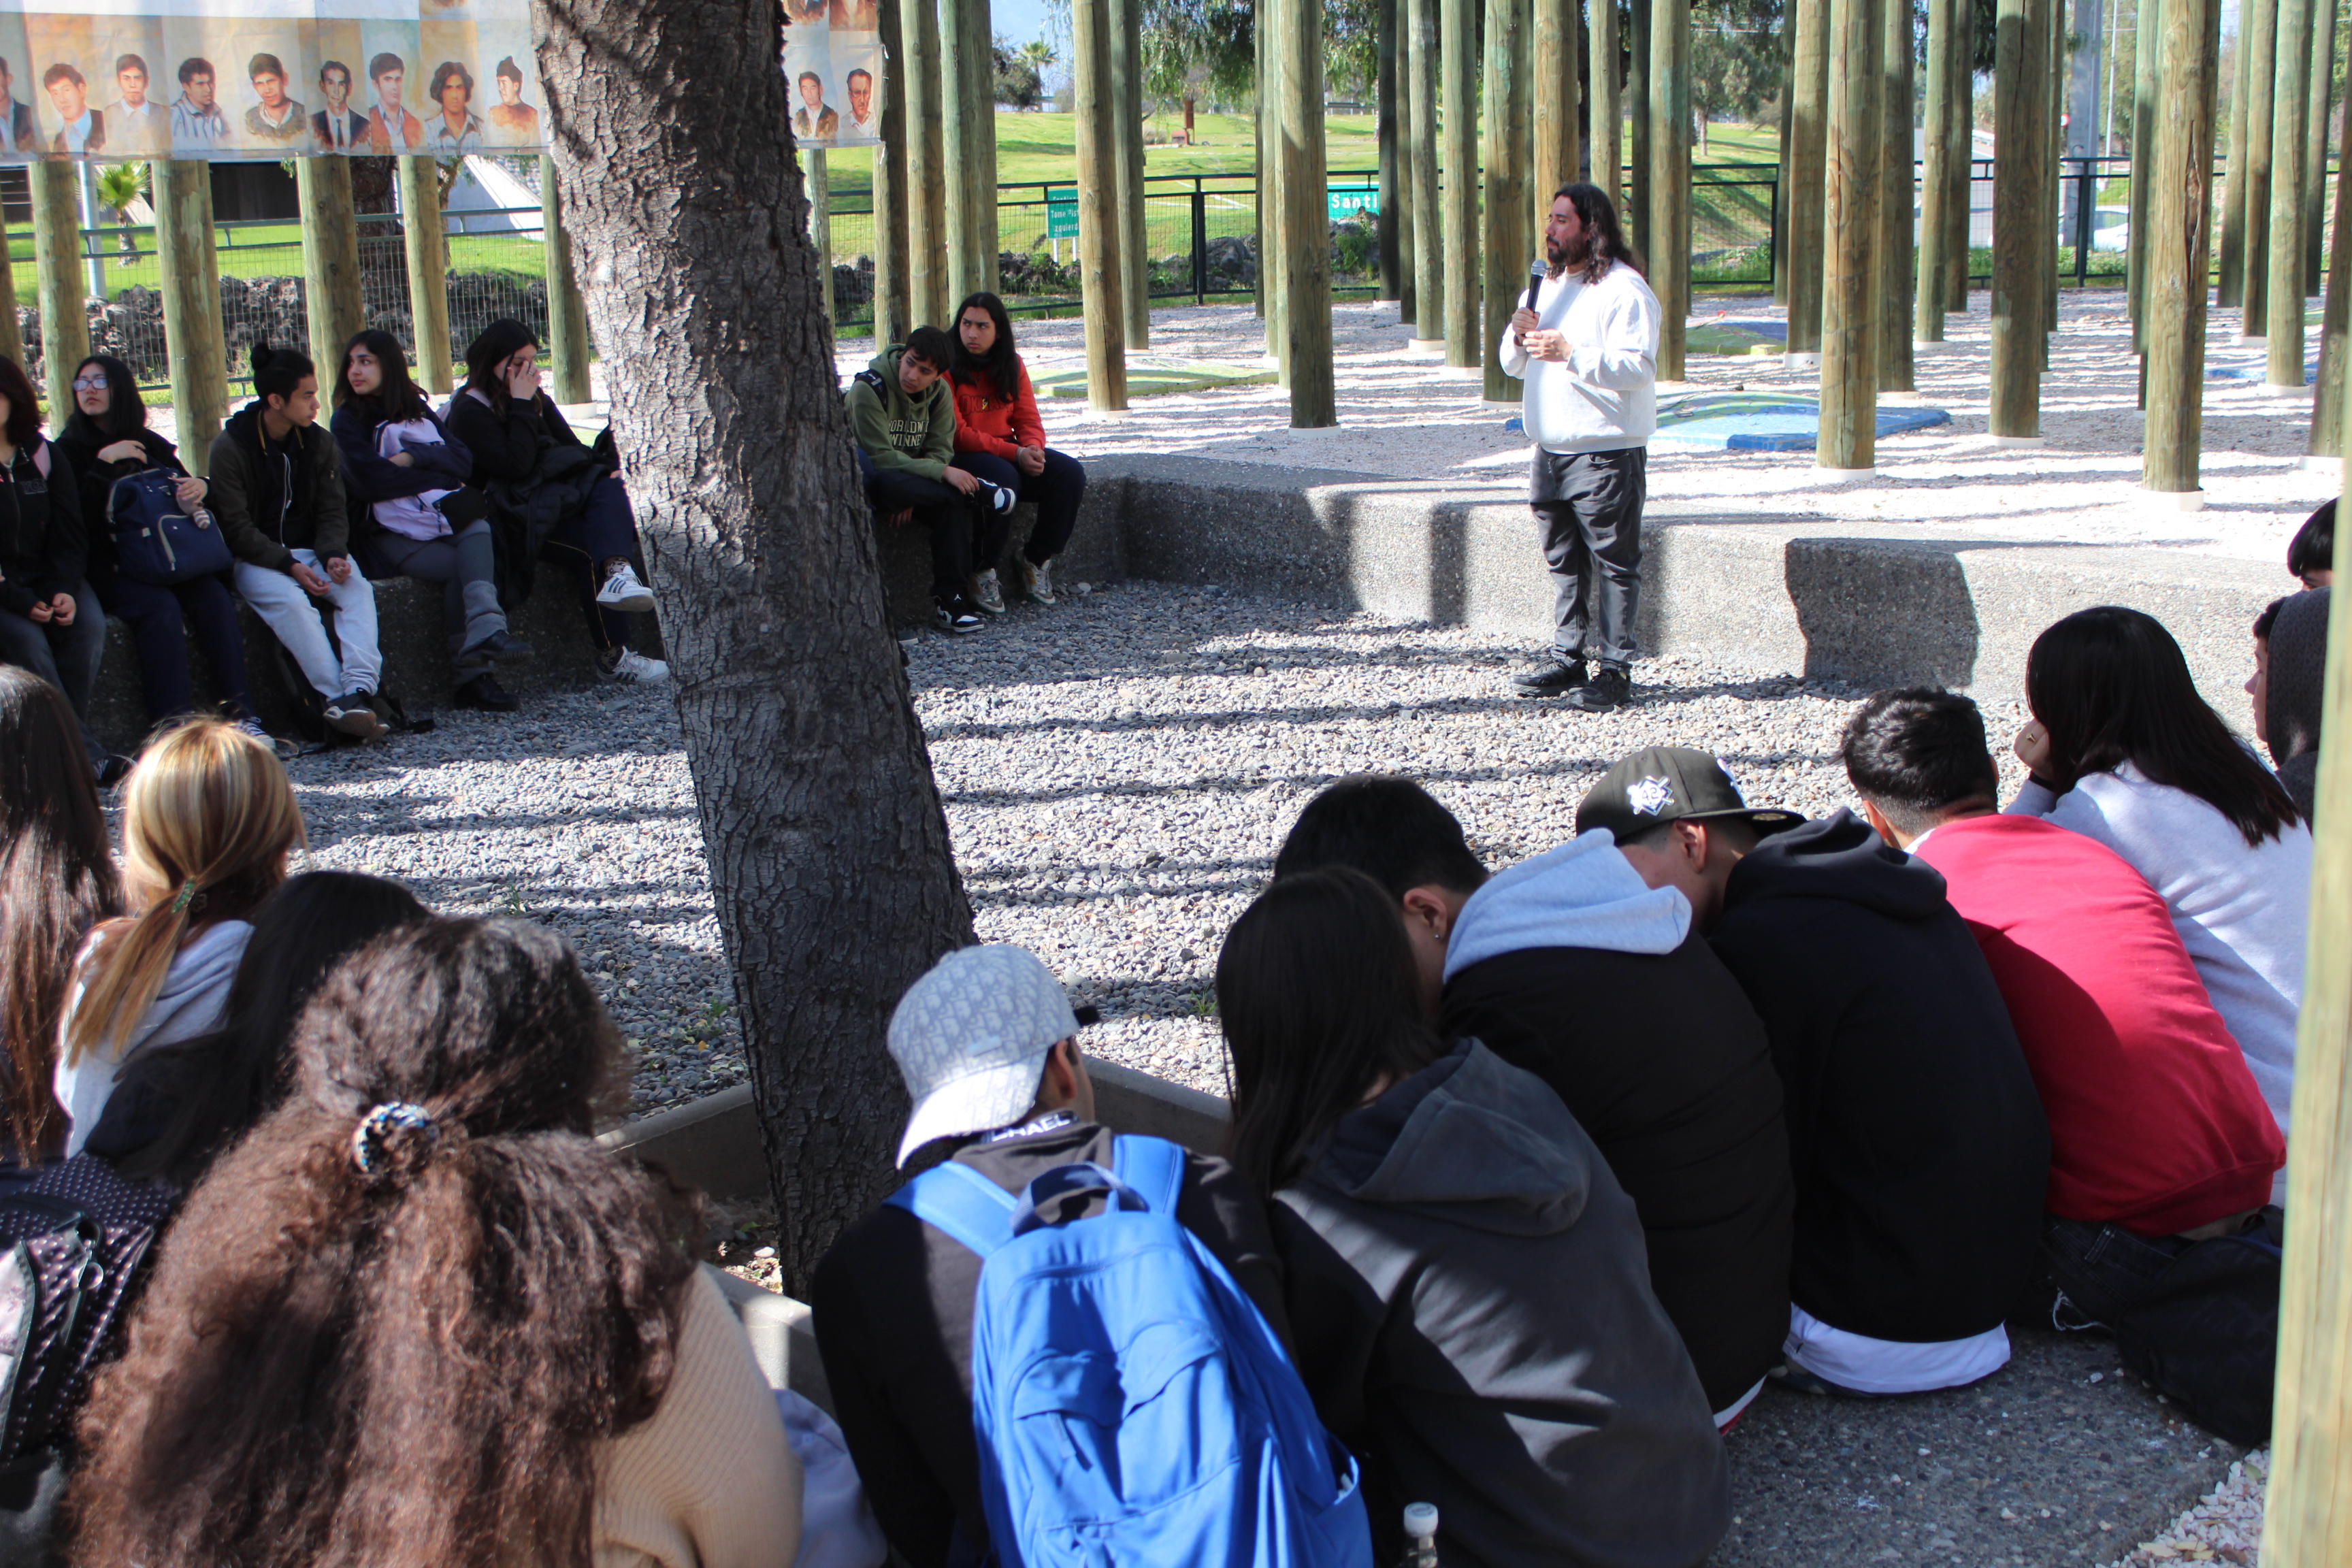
x=948, y=514
x=1056, y=492
x=65, y=657
x=159, y=619
x=1590, y=504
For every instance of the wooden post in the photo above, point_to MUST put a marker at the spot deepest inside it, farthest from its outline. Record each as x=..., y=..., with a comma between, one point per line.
x=2319, y=74
x=1892, y=254
x=567, y=313
x=820, y=200
x=1391, y=228
x=1428, y=233
x=1668, y=237
x=1272, y=213
x=928, y=177
x=893, y=297
x=1509, y=24
x=1850, y=296
x=428, y=268
x=1935, y=172
x=1135, y=234
x=59, y=285
x=1807, y=155
x=2258, y=33
x=967, y=126
x=2144, y=60
x=1559, y=38
x=2233, y=191
x=2054, y=137
x=2290, y=106
x=1463, y=286
x=1783, y=188
x=2178, y=231
x=1641, y=109
x=1962, y=161
x=1101, y=272
x=1306, y=219
x=192, y=320
x=331, y=261
x=1605, y=128
x=2305, y=1523
x=2019, y=267
x=2335, y=315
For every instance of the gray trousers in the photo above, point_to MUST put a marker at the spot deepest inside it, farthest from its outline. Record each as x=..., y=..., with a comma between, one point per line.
x=465, y=564
x=1588, y=505
x=66, y=657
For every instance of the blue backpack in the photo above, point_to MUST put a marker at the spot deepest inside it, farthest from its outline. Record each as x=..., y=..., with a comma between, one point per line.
x=155, y=541
x=1132, y=1403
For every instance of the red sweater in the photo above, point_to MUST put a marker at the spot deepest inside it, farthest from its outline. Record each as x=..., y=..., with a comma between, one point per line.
x=986, y=422
x=2156, y=1123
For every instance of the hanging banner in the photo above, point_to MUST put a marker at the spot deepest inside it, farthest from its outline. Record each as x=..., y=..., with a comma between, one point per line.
x=115, y=80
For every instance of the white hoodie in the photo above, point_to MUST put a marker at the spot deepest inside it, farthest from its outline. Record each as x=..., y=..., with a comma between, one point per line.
x=1583, y=894
x=1603, y=397
x=194, y=994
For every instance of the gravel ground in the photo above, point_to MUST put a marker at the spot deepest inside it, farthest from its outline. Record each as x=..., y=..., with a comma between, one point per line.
x=2225, y=1527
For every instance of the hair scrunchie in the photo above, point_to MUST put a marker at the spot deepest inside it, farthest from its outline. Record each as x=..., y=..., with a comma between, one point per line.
x=188, y=899
x=387, y=1131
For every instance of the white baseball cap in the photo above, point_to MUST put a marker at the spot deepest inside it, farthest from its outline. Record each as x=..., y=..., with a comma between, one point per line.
x=971, y=1038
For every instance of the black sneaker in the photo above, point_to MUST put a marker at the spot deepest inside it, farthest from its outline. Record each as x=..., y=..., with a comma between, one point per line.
x=957, y=615
x=485, y=692
x=995, y=496
x=1550, y=676
x=1608, y=689
x=501, y=646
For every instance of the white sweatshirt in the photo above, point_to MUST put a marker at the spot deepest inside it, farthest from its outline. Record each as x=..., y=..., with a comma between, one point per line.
x=1604, y=397
x=2242, y=912
x=194, y=994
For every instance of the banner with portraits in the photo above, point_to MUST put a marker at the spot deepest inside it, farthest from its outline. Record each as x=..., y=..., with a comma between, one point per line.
x=833, y=63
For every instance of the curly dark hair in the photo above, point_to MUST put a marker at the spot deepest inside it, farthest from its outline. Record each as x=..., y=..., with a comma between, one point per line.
x=409, y=1366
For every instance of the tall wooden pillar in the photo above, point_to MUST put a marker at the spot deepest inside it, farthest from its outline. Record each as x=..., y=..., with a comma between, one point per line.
x=1558, y=38
x=820, y=200
x=2233, y=191
x=2335, y=315
x=1960, y=164
x=1101, y=273
x=2146, y=59
x=1935, y=172
x=1391, y=228
x=1892, y=254
x=1306, y=219
x=1783, y=187
x=893, y=292
x=2179, y=199
x=331, y=261
x=1808, y=155
x=2018, y=263
x=1605, y=128
x=1428, y=233
x=1509, y=24
x=191, y=320
x=1135, y=234
x=567, y=313
x=2055, y=70
x=2319, y=75
x=1269, y=177
x=1463, y=286
x=1850, y=294
x=2258, y=35
x=1640, y=102
x=2290, y=104
x=967, y=136
x=59, y=286
x=928, y=177
x=1668, y=237
x=428, y=248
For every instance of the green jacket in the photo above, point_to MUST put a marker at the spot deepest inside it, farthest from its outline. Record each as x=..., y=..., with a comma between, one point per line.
x=912, y=435
x=273, y=498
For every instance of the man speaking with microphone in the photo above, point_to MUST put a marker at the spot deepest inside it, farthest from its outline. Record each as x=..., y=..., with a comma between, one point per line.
x=1585, y=341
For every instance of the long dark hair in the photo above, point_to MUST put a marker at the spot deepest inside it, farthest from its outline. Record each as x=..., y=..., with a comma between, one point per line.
x=493, y=343
x=23, y=425
x=2111, y=687
x=1000, y=363
x=1317, y=991
x=396, y=398
x=126, y=411
x=57, y=882
x=219, y=1084
x=1598, y=213
x=393, y=1324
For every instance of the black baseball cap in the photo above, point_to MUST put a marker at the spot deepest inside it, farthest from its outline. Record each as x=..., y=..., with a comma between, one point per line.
x=1669, y=783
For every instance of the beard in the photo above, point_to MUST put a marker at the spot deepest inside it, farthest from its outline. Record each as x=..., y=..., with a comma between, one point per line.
x=1575, y=253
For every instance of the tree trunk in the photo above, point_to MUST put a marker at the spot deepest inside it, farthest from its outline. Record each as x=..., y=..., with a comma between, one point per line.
x=829, y=856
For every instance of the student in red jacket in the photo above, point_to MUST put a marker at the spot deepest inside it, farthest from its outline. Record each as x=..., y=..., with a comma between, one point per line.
x=998, y=437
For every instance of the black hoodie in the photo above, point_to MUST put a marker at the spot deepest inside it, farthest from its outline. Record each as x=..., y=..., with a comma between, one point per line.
x=1919, y=1146
x=1475, y=1319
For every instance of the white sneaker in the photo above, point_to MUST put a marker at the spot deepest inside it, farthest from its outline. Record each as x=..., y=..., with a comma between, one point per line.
x=286, y=751
x=998, y=498
x=634, y=668
x=623, y=592
x=1037, y=582
x=988, y=593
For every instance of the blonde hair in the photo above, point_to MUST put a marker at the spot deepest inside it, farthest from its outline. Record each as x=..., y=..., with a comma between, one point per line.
x=208, y=820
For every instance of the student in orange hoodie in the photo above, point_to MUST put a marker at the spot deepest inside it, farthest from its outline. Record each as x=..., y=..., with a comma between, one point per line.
x=998, y=437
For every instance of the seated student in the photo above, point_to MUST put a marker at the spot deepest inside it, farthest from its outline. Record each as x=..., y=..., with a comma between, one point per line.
x=986, y=1042
x=1918, y=1142
x=176, y=1108
x=50, y=622
x=418, y=1315
x=1466, y=1276
x=2123, y=749
x=2311, y=553
x=1569, y=967
x=424, y=523
x=208, y=820
x=2155, y=1123
x=559, y=500
x=999, y=436
x=108, y=439
x=277, y=490
x=903, y=419
x=2289, y=680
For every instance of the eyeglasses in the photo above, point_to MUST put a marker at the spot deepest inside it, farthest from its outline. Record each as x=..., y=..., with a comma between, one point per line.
x=89, y=383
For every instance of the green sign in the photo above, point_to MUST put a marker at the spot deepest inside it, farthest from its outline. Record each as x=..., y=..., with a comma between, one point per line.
x=1062, y=215
x=1353, y=201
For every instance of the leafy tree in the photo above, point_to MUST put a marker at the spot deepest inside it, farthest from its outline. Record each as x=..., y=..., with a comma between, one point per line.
x=1020, y=76
x=119, y=185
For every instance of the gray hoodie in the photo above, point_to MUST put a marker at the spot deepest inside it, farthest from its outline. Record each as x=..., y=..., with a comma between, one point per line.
x=195, y=993
x=1484, y=1331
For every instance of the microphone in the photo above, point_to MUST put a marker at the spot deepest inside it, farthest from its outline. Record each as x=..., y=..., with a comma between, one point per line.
x=1537, y=273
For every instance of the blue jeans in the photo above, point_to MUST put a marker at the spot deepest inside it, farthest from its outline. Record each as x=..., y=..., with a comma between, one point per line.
x=584, y=542
x=1056, y=492
x=66, y=657
x=159, y=618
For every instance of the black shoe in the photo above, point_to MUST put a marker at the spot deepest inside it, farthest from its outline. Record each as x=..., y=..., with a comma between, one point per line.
x=485, y=692
x=501, y=646
x=957, y=615
x=1608, y=689
x=1550, y=676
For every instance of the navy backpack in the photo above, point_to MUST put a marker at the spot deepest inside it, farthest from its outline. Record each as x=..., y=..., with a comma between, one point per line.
x=154, y=541
x=1132, y=1405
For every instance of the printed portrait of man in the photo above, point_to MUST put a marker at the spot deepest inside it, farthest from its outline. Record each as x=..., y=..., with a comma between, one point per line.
x=134, y=122
x=276, y=118
x=856, y=15
x=813, y=120
x=391, y=128
x=23, y=133
x=338, y=128
x=862, y=112
x=513, y=119
x=198, y=123
x=457, y=130
x=83, y=129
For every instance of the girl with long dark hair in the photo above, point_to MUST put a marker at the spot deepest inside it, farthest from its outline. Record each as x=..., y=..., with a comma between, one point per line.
x=57, y=882
x=1467, y=1284
x=567, y=503
x=999, y=436
x=108, y=439
x=2123, y=749
x=50, y=622
x=425, y=520
x=418, y=1317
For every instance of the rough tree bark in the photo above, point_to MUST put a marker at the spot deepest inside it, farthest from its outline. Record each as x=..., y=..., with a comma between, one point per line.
x=828, y=847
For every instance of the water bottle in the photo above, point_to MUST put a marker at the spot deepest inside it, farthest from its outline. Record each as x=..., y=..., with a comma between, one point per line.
x=1420, y=1535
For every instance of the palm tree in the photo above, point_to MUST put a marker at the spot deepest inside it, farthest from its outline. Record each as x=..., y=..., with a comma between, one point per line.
x=119, y=186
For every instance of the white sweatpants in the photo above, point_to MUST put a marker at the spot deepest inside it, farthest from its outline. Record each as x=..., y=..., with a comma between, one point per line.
x=293, y=615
